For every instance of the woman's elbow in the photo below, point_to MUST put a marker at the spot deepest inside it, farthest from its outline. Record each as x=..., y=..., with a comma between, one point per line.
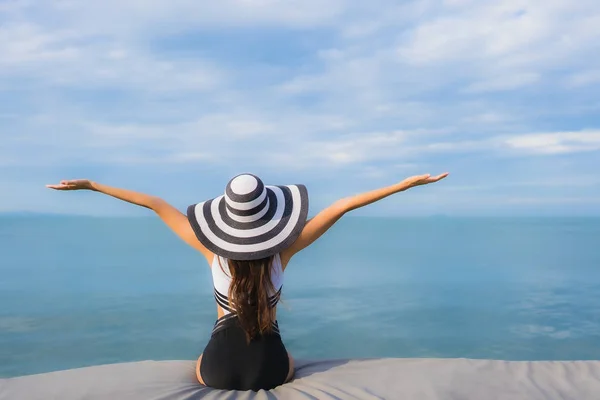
x=155, y=203
x=342, y=206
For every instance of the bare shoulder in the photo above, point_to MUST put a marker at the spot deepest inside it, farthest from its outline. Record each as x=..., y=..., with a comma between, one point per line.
x=210, y=258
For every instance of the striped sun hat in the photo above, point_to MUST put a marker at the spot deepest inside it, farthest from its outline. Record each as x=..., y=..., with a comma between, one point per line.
x=251, y=220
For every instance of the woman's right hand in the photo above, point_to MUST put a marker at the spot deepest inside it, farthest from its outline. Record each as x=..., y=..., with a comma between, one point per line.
x=419, y=180
x=73, y=184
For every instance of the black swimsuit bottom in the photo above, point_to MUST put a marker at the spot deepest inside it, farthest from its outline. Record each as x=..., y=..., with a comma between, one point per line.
x=229, y=363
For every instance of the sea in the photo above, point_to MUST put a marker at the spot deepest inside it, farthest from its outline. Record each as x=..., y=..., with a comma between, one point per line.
x=80, y=291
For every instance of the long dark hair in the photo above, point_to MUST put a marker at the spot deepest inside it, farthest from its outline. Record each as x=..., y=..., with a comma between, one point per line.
x=249, y=294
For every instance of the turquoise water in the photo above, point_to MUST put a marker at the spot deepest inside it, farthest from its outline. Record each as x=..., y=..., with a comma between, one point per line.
x=77, y=291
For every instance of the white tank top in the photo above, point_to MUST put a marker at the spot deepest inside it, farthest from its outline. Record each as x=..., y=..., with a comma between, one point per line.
x=222, y=281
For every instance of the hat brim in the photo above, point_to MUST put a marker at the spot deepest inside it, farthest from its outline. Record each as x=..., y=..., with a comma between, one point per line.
x=240, y=238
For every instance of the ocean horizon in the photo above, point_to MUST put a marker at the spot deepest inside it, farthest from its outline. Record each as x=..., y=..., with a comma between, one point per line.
x=88, y=290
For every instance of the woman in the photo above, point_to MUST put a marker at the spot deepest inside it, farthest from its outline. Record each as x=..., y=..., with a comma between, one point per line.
x=248, y=236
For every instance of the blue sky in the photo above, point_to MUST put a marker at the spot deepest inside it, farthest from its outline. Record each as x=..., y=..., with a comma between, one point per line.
x=175, y=97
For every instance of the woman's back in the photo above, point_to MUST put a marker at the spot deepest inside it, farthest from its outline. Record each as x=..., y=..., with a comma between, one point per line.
x=222, y=280
x=232, y=358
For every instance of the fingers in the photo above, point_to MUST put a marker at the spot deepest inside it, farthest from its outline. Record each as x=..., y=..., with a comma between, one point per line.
x=427, y=178
x=73, y=184
x=439, y=177
x=67, y=184
x=61, y=187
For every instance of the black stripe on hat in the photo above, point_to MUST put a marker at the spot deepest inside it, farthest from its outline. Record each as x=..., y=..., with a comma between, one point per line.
x=255, y=239
x=244, y=198
x=247, y=213
x=249, y=225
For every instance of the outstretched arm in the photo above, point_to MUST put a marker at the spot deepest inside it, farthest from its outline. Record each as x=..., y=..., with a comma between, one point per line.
x=364, y=199
x=324, y=220
x=174, y=219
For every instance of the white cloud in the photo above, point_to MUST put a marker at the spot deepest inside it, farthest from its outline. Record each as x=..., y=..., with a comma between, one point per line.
x=556, y=142
x=412, y=145
x=66, y=59
x=475, y=31
x=502, y=83
x=176, y=15
x=508, y=33
x=12, y=6
x=375, y=172
x=489, y=117
x=552, y=200
x=132, y=17
x=301, y=141
x=494, y=46
x=587, y=77
x=479, y=46
x=563, y=181
x=100, y=44
x=24, y=44
x=354, y=149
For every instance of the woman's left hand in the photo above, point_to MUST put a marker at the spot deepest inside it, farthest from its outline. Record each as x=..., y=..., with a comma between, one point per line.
x=75, y=184
x=419, y=180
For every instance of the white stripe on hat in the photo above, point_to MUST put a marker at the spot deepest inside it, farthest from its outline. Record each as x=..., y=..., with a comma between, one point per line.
x=248, y=205
x=249, y=218
x=248, y=248
x=243, y=184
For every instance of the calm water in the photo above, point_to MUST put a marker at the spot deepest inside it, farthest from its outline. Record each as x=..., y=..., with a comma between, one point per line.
x=80, y=291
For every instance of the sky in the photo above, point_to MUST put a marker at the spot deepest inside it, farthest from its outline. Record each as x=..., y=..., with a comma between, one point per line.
x=173, y=98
